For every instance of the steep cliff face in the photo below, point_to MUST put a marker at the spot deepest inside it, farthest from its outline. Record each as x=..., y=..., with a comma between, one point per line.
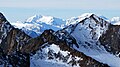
x=111, y=39
x=16, y=48
x=12, y=41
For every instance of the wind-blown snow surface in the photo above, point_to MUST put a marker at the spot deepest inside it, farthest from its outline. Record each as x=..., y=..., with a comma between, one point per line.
x=35, y=25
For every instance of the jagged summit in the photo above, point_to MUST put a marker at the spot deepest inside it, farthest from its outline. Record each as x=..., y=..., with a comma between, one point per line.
x=85, y=16
x=75, y=20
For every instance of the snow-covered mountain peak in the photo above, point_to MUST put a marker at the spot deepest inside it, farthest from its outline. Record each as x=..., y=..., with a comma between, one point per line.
x=36, y=24
x=88, y=29
x=115, y=20
x=88, y=33
x=40, y=19
x=33, y=18
x=45, y=19
x=86, y=15
x=74, y=20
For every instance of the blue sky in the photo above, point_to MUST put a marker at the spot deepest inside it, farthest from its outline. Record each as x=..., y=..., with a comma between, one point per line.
x=19, y=10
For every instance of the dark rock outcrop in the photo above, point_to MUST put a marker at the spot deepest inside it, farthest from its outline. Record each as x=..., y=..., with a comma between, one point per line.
x=111, y=39
x=12, y=41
